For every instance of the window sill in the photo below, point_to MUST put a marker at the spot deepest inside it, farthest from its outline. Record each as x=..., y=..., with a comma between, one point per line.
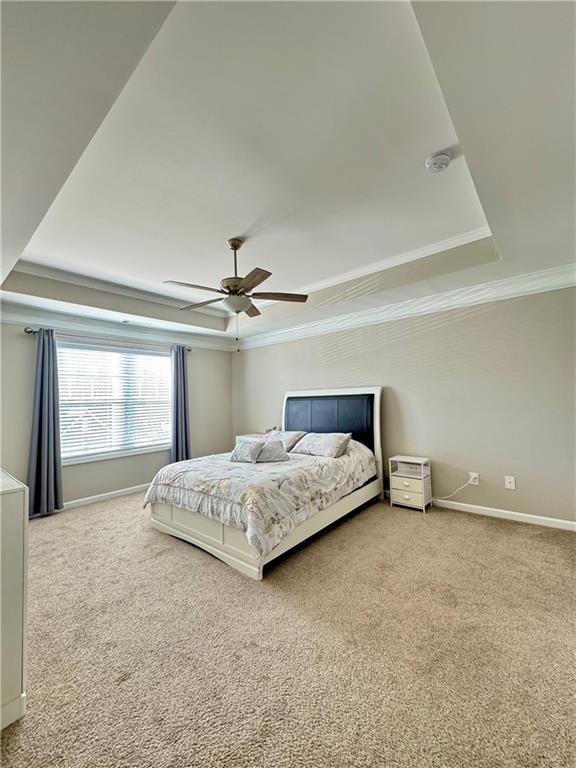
x=89, y=458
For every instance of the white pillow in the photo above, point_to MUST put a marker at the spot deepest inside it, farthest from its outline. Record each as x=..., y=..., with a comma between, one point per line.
x=272, y=450
x=289, y=439
x=330, y=444
x=247, y=451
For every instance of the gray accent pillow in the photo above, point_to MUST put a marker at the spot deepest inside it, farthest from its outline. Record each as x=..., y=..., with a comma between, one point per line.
x=247, y=451
x=272, y=450
x=329, y=444
x=289, y=439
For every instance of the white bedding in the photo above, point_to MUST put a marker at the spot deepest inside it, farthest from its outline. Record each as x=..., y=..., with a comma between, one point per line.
x=266, y=501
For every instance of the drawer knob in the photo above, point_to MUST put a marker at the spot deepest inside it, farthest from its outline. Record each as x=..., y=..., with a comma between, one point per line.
x=407, y=497
x=405, y=484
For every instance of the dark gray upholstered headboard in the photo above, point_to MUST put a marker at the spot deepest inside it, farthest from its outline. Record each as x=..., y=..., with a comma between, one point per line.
x=332, y=413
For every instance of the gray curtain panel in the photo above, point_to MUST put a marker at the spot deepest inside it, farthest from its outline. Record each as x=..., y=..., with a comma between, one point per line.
x=44, y=462
x=180, y=449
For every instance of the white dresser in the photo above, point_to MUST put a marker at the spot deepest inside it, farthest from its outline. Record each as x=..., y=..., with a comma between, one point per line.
x=13, y=578
x=410, y=481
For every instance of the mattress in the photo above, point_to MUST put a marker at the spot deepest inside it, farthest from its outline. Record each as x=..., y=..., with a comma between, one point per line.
x=266, y=501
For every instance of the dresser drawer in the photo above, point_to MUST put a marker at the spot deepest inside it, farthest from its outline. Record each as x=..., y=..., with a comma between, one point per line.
x=406, y=497
x=406, y=484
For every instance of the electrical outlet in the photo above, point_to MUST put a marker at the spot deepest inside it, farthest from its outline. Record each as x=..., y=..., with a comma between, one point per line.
x=510, y=482
x=474, y=478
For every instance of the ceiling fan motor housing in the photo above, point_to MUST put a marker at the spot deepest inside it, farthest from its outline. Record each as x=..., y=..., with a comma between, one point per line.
x=230, y=283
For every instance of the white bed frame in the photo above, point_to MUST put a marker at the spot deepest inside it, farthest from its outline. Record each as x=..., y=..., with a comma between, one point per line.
x=230, y=544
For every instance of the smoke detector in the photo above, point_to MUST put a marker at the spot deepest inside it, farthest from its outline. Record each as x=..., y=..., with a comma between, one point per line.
x=439, y=161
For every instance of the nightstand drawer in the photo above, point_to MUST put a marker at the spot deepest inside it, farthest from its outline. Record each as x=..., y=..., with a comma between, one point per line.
x=406, y=484
x=406, y=497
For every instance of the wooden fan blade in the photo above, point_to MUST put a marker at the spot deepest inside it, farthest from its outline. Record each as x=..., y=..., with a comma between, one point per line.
x=253, y=279
x=253, y=311
x=280, y=296
x=202, y=304
x=198, y=287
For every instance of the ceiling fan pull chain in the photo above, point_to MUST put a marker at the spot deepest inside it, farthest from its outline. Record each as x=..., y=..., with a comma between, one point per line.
x=236, y=317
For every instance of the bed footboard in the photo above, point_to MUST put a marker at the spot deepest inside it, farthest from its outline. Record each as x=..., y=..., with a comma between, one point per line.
x=227, y=543
x=230, y=545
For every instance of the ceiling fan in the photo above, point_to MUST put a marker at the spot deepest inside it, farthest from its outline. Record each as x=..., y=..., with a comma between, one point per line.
x=237, y=296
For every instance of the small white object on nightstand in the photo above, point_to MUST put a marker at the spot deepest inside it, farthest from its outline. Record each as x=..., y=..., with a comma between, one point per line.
x=410, y=481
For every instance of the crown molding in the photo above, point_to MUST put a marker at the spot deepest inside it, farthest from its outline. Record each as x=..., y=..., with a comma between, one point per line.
x=398, y=259
x=551, y=279
x=73, y=278
x=19, y=314
x=542, y=281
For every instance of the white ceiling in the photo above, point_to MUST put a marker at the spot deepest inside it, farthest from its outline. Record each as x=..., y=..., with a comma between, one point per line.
x=302, y=126
x=63, y=65
x=508, y=73
x=305, y=126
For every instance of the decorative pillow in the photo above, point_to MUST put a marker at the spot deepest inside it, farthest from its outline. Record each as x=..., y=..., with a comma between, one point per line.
x=289, y=439
x=272, y=450
x=247, y=451
x=330, y=444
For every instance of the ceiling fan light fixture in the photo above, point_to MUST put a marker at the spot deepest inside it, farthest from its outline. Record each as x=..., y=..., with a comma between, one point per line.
x=236, y=303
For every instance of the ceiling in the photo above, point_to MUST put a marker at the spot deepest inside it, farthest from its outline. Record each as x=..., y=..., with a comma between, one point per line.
x=304, y=127
x=508, y=74
x=56, y=89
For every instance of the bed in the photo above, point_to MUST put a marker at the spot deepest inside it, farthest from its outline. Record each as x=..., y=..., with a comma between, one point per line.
x=249, y=514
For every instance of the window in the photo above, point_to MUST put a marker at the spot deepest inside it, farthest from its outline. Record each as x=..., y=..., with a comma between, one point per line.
x=112, y=401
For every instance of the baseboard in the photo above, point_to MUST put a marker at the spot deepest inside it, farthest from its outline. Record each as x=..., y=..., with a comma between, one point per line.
x=507, y=514
x=104, y=496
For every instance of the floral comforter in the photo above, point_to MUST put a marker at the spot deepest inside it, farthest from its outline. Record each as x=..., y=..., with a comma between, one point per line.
x=268, y=500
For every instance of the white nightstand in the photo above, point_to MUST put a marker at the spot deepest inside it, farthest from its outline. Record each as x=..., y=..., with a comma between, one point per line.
x=410, y=481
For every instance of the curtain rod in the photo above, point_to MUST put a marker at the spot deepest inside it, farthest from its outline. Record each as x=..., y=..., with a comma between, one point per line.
x=33, y=331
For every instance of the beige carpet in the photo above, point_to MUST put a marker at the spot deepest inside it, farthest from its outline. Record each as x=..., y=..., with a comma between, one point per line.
x=392, y=640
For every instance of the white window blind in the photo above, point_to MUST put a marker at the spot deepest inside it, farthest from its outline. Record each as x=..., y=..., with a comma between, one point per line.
x=112, y=401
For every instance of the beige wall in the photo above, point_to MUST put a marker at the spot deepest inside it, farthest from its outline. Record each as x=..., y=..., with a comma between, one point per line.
x=210, y=416
x=488, y=389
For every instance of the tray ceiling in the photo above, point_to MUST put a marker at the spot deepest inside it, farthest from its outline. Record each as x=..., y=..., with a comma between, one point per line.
x=57, y=87
x=302, y=126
